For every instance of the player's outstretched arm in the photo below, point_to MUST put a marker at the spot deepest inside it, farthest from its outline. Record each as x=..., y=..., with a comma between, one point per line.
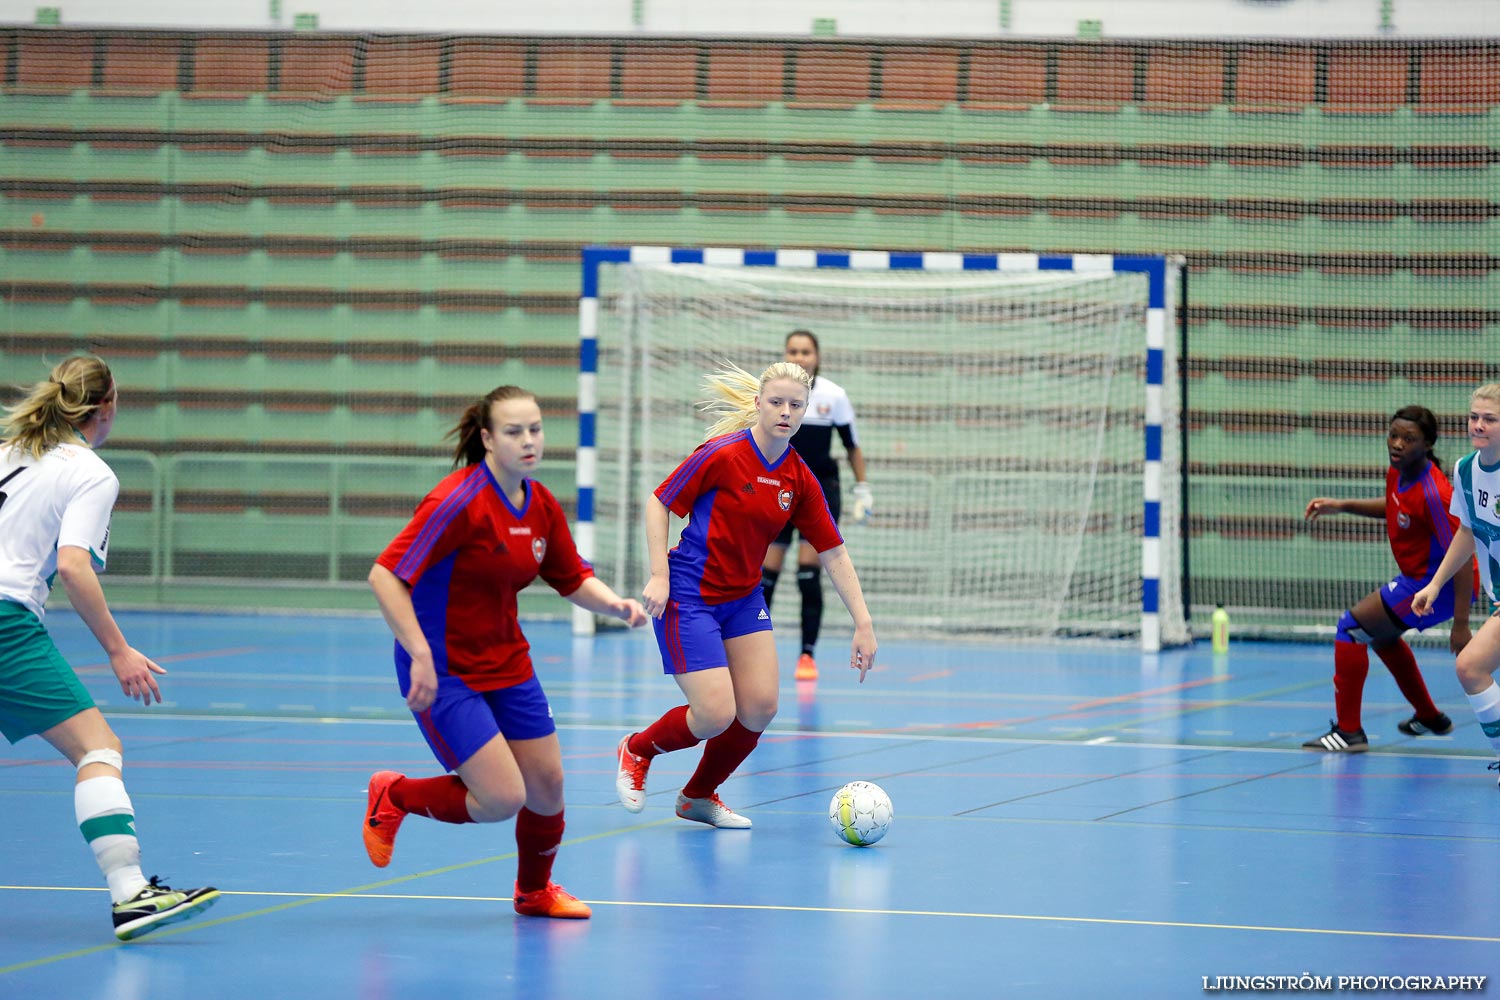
x=840, y=570
x=1460, y=550
x=133, y=669
x=1320, y=506
x=598, y=597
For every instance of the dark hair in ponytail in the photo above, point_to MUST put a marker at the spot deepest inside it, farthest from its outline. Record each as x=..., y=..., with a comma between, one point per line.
x=1426, y=423
x=470, y=449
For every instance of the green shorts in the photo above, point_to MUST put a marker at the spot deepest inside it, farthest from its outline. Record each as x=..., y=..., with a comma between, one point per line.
x=37, y=687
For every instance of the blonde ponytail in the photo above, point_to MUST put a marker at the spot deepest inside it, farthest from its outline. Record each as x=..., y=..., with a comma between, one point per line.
x=52, y=411
x=732, y=392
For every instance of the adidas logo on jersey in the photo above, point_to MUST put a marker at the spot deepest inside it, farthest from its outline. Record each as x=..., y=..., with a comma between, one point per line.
x=747, y=488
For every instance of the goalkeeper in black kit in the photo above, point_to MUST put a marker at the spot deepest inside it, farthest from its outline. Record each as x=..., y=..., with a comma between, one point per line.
x=828, y=410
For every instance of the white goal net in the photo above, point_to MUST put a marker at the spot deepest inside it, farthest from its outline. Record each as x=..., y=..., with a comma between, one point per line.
x=1001, y=416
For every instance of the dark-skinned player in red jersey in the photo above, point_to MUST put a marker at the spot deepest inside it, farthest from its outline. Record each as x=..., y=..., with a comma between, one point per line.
x=737, y=490
x=1420, y=529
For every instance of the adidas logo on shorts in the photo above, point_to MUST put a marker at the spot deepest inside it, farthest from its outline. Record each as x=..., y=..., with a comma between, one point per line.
x=763, y=616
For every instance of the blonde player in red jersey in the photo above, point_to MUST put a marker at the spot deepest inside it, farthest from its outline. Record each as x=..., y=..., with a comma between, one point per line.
x=1421, y=530
x=447, y=586
x=829, y=412
x=737, y=490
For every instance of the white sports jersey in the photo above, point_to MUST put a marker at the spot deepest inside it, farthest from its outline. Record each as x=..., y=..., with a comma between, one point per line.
x=65, y=498
x=1476, y=497
x=828, y=409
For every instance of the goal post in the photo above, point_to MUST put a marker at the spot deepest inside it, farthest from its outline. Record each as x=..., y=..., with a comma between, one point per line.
x=1019, y=414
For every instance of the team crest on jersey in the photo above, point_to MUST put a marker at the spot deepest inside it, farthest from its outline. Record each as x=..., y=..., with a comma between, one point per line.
x=824, y=409
x=784, y=498
x=539, y=548
x=1402, y=520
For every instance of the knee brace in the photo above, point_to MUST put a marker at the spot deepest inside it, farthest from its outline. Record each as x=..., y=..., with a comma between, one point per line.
x=1350, y=630
x=113, y=758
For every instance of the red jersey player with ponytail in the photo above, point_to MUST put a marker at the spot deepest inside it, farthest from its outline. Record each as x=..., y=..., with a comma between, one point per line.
x=737, y=490
x=1420, y=528
x=447, y=586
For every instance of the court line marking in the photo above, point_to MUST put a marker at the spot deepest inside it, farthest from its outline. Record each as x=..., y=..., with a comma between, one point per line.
x=1245, y=780
x=902, y=736
x=1144, y=771
x=303, y=899
x=1183, y=711
x=768, y=807
x=1153, y=770
x=203, y=654
x=1131, y=701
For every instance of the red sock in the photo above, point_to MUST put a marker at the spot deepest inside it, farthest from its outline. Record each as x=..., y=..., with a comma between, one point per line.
x=444, y=799
x=537, y=838
x=666, y=734
x=1351, y=665
x=721, y=756
x=1403, y=666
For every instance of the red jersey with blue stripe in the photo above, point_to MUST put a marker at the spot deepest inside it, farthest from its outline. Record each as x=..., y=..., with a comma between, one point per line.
x=1417, y=520
x=736, y=504
x=466, y=553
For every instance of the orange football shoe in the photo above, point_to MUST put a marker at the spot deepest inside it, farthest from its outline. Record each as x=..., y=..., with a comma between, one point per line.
x=807, y=668
x=382, y=819
x=552, y=901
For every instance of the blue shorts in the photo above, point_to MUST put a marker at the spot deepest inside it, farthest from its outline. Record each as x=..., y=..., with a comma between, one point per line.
x=461, y=720
x=1397, y=595
x=691, y=636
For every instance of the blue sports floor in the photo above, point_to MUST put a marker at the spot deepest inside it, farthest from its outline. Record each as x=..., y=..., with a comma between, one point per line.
x=1071, y=820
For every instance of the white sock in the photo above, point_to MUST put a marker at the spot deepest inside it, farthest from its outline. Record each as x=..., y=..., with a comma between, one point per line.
x=107, y=821
x=1486, y=706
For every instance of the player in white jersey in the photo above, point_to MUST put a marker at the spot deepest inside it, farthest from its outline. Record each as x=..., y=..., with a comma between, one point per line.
x=1476, y=502
x=828, y=411
x=56, y=497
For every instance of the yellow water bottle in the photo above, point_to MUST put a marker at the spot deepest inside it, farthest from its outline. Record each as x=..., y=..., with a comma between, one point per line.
x=1220, y=620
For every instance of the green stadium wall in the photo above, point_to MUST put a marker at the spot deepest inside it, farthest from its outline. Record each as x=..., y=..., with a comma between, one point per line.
x=303, y=253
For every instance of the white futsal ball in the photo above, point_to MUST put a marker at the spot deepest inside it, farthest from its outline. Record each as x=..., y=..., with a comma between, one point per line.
x=860, y=813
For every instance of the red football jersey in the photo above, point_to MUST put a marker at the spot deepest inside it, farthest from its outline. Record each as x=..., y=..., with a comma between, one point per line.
x=1417, y=520
x=466, y=553
x=736, y=503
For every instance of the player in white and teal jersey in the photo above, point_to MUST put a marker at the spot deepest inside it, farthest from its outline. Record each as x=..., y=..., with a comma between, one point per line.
x=56, y=497
x=1476, y=502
